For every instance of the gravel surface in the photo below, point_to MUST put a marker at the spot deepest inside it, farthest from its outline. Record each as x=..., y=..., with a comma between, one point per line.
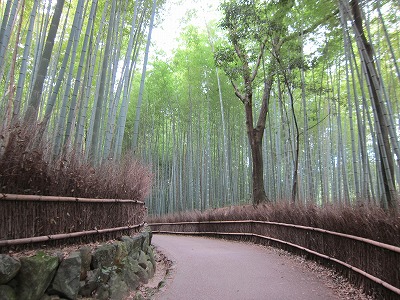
x=205, y=268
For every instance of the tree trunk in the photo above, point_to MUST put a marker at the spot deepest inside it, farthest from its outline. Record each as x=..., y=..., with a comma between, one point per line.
x=128, y=72
x=98, y=113
x=146, y=56
x=255, y=136
x=77, y=80
x=11, y=85
x=24, y=62
x=385, y=152
x=5, y=34
x=34, y=101
x=259, y=195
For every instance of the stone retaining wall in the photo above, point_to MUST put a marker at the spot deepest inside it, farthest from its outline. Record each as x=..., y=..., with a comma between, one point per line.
x=108, y=271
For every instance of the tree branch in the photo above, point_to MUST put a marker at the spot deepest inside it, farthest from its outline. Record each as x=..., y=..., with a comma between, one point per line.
x=260, y=55
x=237, y=92
x=265, y=102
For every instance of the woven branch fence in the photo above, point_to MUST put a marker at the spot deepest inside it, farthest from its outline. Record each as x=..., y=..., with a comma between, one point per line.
x=371, y=264
x=29, y=222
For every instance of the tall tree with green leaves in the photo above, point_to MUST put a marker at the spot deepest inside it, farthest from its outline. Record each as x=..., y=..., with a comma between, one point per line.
x=243, y=57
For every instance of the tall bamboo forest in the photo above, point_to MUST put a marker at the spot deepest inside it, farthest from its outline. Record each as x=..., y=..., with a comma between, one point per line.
x=286, y=100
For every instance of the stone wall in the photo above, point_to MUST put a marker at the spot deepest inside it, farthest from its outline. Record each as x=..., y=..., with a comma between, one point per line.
x=108, y=271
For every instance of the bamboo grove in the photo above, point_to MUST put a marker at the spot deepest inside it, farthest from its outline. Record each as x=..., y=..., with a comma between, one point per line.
x=294, y=77
x=279, y=100
x=67, y=69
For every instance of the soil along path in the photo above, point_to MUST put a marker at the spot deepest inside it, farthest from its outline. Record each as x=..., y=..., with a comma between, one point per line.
x=219, y=269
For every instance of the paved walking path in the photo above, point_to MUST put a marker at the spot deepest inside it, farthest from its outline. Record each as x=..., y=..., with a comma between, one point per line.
x=215, y=269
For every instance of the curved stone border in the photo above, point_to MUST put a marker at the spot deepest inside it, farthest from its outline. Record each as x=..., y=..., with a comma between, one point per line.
x=108, y=271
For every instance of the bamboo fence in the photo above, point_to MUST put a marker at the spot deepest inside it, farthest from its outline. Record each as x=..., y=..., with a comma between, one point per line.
x=29, y=221
x=374, y=265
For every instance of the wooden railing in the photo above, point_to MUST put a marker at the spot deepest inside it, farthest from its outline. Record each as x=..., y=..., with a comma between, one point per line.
x=373, y=264
x=29, y=221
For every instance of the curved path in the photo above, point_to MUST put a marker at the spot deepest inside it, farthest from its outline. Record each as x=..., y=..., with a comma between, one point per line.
x=219, y=269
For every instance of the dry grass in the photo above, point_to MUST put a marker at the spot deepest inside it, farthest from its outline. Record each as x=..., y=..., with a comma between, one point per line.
x=364, y=221
x=26, y=168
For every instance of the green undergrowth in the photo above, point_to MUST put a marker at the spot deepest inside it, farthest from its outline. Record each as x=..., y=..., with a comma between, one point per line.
x=28, y=167
x=364, y=221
